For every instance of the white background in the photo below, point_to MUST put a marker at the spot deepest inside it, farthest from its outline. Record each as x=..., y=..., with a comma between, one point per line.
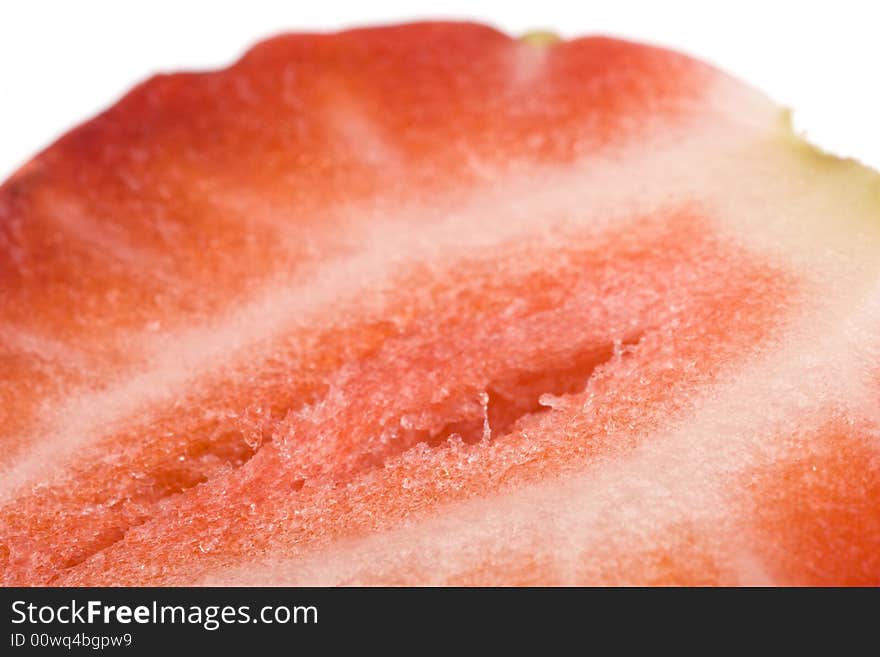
x=61, y=62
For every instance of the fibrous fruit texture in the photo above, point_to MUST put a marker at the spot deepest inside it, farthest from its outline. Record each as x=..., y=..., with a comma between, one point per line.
x=428, y=304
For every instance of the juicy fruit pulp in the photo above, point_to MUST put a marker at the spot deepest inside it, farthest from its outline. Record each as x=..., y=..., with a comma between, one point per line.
x=427, y=304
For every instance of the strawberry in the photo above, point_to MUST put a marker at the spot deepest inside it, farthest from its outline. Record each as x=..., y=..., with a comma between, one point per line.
x=428, y=304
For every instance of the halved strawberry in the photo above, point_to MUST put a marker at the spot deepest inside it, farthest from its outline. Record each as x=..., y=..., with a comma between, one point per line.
x=428, y=304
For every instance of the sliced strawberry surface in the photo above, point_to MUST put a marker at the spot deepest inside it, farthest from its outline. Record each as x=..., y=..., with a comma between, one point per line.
x=428, y=304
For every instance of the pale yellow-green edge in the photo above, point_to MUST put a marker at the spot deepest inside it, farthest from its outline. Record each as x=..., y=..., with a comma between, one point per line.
x=857, y=176
x=540, y=38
